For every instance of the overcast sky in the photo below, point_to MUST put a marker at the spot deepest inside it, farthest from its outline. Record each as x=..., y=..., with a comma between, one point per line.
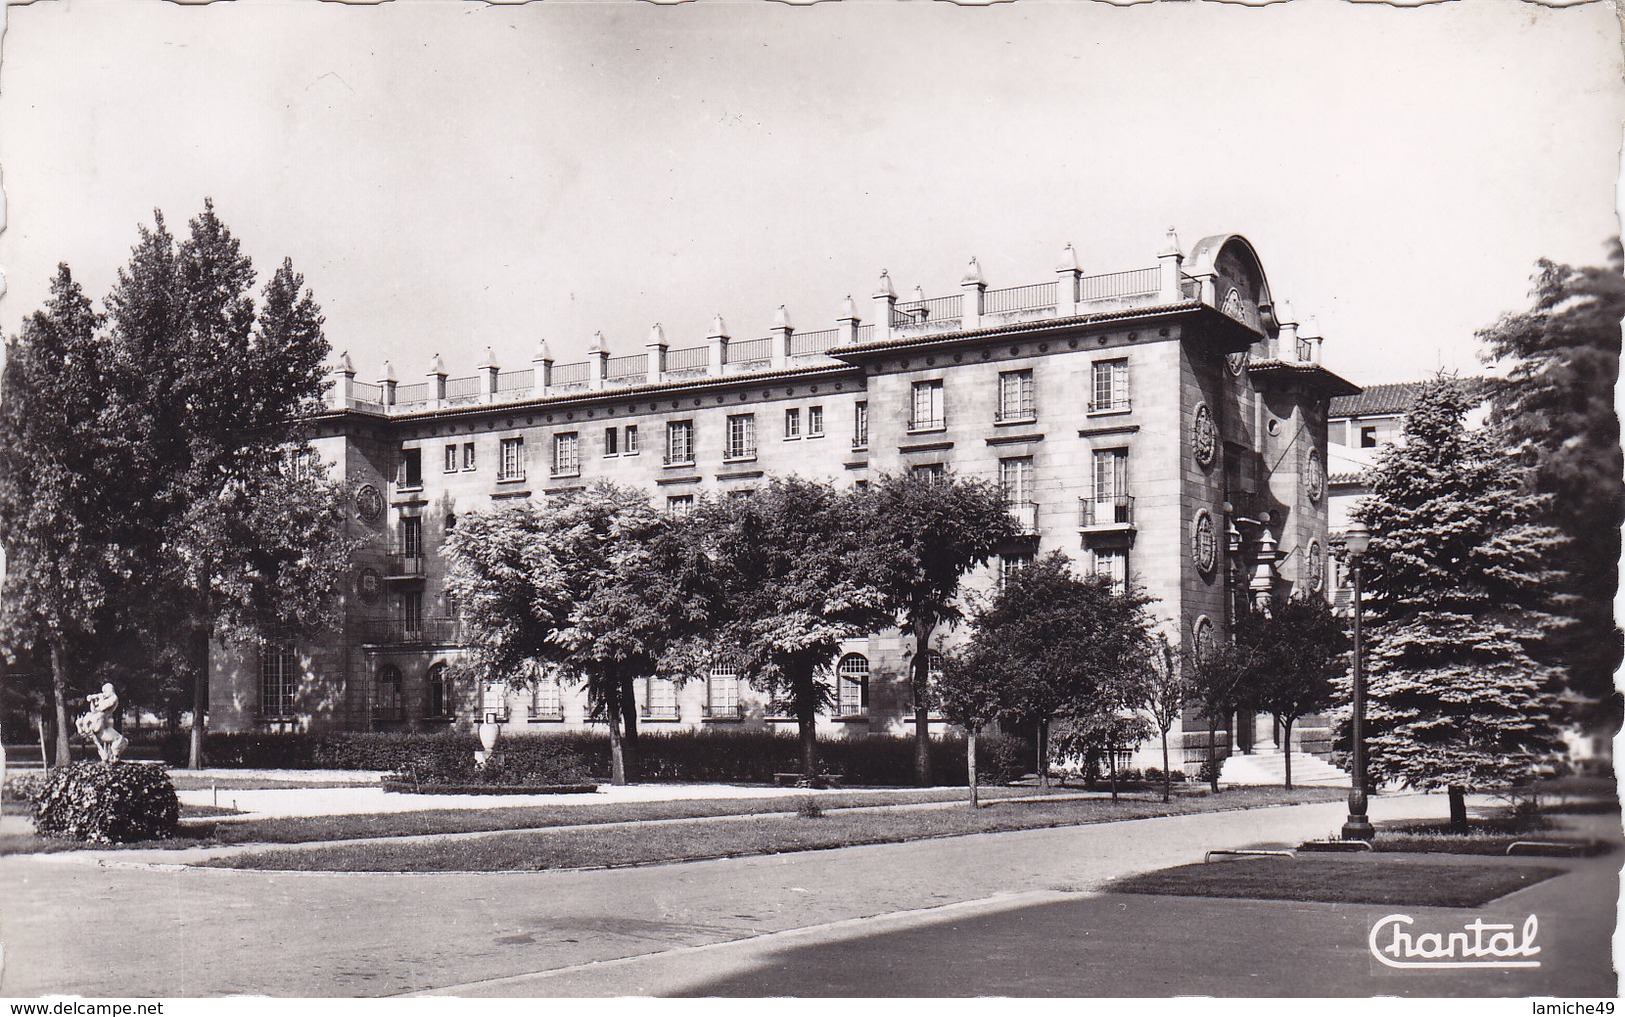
x=454, y=175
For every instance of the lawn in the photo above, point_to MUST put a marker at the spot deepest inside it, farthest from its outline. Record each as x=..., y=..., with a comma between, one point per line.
x=1346, y=879
x=767, y=834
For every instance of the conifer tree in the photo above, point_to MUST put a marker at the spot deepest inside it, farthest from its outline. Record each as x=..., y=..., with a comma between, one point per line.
x=1457, y=574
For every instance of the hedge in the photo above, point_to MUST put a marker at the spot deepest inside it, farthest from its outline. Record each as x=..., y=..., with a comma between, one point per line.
x=107, y=803
x=570, y=756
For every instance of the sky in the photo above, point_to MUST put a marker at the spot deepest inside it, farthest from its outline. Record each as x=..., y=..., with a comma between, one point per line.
x=450, y=176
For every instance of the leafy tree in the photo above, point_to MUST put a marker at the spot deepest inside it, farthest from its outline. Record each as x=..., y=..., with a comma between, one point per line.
x=1290, y=658
x=1557, y=406
x=1217, y=683
x=1164, y=690
x=790, y=576
x=591, y=582
x=59, y=499
x=1058, y=645
x=206, y=393
x=969, y=696
x=1456, y=572
x=927, y=533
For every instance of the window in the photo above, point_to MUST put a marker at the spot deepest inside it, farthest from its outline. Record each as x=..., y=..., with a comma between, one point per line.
x=741, y=437
x=566, y=455
x=660, y=699
x=511, y=465
x=468, y=456
x=680, y=504
x=1110, y=392
x=386, y=700
x=792, y=424
x=1111, y=503
x=279, y=676
x=612, y=441
x=410, y=471
x=852, y=685
x=545, y=700
x=815, y=421
x=630, y=445
x=1016, y=481
x=927, y=410
x=437, y=699
x=722, y=692
x=936, y=471
x=679, y=442
x=1368, y=436
x=933, y=679
x=1015, y=396
x=1113, y=564
x=1010, y=564
x=860, y=425
x=412, y=613
x=411, y=537
x=451, y=459
x=302, y=464
x=494, y=704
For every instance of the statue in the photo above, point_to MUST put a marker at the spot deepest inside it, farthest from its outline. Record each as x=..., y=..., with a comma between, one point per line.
x=97, y=723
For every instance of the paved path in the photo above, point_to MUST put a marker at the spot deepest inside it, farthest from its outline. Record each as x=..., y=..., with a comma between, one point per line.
x=206, y=932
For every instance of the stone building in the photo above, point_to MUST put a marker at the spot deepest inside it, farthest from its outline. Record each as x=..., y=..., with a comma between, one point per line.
x=1166, y=425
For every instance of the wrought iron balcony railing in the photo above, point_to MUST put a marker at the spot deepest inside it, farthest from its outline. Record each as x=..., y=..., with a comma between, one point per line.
x=1112, y=511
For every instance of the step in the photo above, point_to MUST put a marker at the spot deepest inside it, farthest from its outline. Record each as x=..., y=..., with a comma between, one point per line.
x=1270, y=768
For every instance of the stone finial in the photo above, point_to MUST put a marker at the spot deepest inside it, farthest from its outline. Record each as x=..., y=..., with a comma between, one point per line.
x=489, y=360
x=781, y=318
x=344, y=365
x=1170, y=245
x=437, y=366
x=598, y=344
x=387, y=375
x=719, y=329
x=884, y=288
x=543, y=351
x=1309, y=328
x=1069, y=260
x=657, y=335
x=919, y=295
x=1284, y=315
x=973, y=274
x=849, y=310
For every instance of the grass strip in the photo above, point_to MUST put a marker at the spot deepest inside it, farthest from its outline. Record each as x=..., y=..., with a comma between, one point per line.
x=656, y=843
x=1341, y=879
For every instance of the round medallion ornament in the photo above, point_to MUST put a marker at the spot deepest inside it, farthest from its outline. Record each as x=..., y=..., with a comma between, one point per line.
x=369, y=504
x=1316, y=569
x=1204, y=437
x=368, y=584
x=1316, y=479
x=1204, y=545
x=1232, y=304
x=1237, y=362
x=1202, y=637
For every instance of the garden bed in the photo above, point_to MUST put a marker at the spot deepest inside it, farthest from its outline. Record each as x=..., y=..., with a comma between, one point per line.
x=410, y=787
x=1343, y=879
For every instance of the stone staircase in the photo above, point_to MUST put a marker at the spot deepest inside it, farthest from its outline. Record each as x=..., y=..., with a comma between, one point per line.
x=1268, y=766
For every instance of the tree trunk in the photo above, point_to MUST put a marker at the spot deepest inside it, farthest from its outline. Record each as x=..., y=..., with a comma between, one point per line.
x=1167, y=775
x=920, y=670
x=1458, y=809
x=970, y=766
x=200, y=697
x=44, y=747
x=1111, y=763
x=1043, y=753
x=617, y=751
x=59, y=695
x=629, y=727
x=1286, y=747
x=1212, y=763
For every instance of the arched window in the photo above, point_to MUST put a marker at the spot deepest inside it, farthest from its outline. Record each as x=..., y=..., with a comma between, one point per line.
x=722, y=691
x=438, y=702
x=852, y=685
x=386, y=700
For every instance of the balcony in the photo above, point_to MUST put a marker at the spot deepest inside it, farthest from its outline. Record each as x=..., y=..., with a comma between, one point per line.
x=660, y=711
x=1106, y=512
x=735, y=712
x=1025, y=516
x=425, y=632
x=405, y=565
x=1113, y=404
x=545, y=713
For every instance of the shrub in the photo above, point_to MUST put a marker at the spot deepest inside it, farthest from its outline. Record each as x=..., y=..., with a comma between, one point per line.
x=107, y=804
x=808, y=808
x=26, y=787
x=1210, y=768
x=1129, y=775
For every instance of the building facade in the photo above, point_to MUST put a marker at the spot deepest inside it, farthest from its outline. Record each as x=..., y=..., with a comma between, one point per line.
x=1165, y=425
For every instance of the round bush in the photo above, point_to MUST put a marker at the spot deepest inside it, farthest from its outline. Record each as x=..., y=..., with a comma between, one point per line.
x=107, y=804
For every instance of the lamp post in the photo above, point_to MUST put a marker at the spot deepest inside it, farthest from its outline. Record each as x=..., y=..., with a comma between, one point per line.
x=1356, y=541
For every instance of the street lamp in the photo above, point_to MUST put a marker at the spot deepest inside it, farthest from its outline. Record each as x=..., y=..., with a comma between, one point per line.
x=1356, y=541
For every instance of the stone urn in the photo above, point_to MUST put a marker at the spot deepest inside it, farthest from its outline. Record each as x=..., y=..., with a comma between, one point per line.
x=490, y=733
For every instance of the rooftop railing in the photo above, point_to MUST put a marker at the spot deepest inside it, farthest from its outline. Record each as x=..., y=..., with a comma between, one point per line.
x=691, y=359
x=462, y=390
x=622, y=368
x=750, y=351
x=932, y=312
x=804, y=344
x=1037, y=297
x=516, y=381
x=572, y=374
x=1094, y=289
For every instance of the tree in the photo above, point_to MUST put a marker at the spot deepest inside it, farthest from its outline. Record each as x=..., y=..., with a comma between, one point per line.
x=58, y=497
x=969, y=695
x=789, y=575
x=928, y=533
x=1217, y=683
x=207, y=394
x=1165, y=689
x=1557, y=406
x=1059, y=645
x=1290, y=658
x=1457, y=571
x=592, y=582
